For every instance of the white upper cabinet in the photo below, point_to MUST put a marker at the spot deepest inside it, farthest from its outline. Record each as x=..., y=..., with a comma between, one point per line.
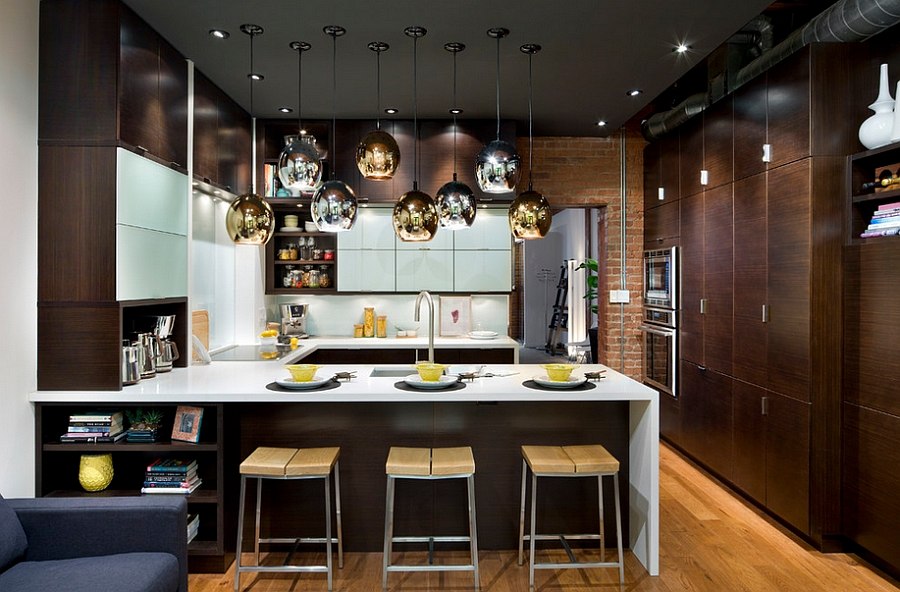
x=373, y=230
x=489, y=231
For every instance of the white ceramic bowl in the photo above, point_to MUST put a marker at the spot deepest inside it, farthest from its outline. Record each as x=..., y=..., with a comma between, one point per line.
x=310, y=227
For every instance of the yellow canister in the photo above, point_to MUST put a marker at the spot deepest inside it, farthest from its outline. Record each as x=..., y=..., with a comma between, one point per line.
x=381, y=326
x=368, y=322
x=357, y=330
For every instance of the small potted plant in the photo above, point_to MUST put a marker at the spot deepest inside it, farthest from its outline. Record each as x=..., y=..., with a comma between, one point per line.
x=143, y=425
x=592, y=283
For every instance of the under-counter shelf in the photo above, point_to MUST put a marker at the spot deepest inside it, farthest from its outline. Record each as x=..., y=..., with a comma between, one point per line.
x=304, y=262
x=123, y=446
x=199, y=496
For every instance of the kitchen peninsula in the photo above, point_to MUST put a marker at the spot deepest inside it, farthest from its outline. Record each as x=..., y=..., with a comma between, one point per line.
x=365, y=416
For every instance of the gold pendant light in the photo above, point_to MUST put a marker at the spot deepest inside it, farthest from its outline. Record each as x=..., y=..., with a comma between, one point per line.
x=378, y=155
x=455, y=200
x=497, y=166
x=334, y=206
x=415, y=216
x=250, y=219
x=530, y=216
x=299, y=165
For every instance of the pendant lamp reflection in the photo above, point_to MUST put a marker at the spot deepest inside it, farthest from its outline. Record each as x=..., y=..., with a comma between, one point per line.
x=497, y=166
x=299, y=165
x=529, y=214
x=455, y=200
x=249, y=219
x=334, y=205
x=378, y=155
x=415, y=217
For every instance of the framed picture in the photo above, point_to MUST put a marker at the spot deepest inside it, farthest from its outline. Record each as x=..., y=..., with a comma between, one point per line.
x=187, y=423
x=456, y=315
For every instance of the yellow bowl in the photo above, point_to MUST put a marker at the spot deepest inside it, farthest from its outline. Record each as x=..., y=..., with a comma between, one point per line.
x=430, y=372
x=558, y=372
x=302, y=372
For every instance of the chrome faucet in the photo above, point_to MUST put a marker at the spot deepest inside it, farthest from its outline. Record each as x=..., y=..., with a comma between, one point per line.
x=427, y=297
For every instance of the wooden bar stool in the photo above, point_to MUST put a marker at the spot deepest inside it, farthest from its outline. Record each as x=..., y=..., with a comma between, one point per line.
x=568, y=461
x=429, y=463
x=290, y=464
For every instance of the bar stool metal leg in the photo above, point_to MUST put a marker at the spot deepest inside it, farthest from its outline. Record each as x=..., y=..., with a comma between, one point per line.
x=240, y=534
x=388, y=530
x=473, y=530
x=522, y=513
x=619, y=530
x=602, y=526
x=337, y=510
x=328, y=530
x=258, y=512
x=531, y=540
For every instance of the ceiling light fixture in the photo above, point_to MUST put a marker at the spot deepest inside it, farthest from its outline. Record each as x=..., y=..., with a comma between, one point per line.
x=455, y=201
x=378, y=156
x=601, y=123
x=634, y=92
x=497, y=165
x=250, y=219
x=285, y=109
x=219, y=33
x=530, y=216
x=392, y=110
x=682, y=48
x=299, y=164
x=415, y=217
x=334, y=205
x=255, y=76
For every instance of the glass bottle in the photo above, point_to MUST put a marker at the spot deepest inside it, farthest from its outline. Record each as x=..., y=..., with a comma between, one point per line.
x=324, y=277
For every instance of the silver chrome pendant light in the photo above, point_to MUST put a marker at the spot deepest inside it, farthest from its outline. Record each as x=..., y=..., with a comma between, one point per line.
x=299, y=165
x=530, y=216
x=415, y=216
x=250, y=219
x=334, y=205
x=455, y=201
x=497, y=165
x=378, y=155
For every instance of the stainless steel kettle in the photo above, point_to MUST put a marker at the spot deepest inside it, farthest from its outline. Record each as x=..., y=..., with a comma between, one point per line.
x=131, y=366
x=148, y=351
x=168, y=353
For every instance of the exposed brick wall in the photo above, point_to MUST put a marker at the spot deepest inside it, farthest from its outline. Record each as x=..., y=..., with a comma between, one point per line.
x=582, y=172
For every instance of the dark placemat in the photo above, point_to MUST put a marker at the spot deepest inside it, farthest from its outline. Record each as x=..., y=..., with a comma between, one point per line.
x=585, y=386
x=274, y=386
x=456, y=386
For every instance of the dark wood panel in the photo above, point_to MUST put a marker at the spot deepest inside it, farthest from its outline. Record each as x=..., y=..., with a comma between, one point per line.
x=718, y=142
x=229, y=152
x=662, y=225
x=691, y=154
x=718, y=278
x=79, y=347
x=79, y=44
x=749, y=342
x=788, y=260
x=831, y=73
x=749, y=440
x=691, y=328
x=140, y=110
x=670, y=166
x=670, y=417
x=750, y=127
x=706, y=417
x=77, y=212
x=206, y=123
x=788, y=460
x=173, y=95
x=651, y=179
x=871, y=449
x=789, y=108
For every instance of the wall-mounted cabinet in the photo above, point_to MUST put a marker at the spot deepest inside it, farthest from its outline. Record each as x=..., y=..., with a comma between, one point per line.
x=222, y=142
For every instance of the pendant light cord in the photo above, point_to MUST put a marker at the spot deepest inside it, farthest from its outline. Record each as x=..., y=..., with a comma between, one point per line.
x=250, y=79
x=454, y=115
x=299, y=91
x=333, y=104
x=378, y=90
x=415, y=114
x=530, y=123
x=498, y=87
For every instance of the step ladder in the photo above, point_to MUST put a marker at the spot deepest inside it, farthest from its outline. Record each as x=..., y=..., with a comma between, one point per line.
x=559, y=317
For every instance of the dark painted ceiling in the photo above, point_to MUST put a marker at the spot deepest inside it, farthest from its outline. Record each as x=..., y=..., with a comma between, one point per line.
x=593, y=52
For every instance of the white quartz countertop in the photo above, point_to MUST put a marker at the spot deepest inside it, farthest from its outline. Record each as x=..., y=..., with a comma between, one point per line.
x=239, y=382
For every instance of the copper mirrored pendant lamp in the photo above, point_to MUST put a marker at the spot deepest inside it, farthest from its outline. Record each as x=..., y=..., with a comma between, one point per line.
x=334, y=206
x=250, y=219
x=415, y=216
x=497, y=165
x=455, y=200
x=529, y=214
x=299, y=165
x=378, y=156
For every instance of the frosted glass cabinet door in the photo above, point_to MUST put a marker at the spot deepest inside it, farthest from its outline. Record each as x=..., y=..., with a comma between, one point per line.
x=490, y=231
x=373, y=230
x=150, y=195
x=424, y=270
x=365, y=271
x=150, y=264
x=482, y=271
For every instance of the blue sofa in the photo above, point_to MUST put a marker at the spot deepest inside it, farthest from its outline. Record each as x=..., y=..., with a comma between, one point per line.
x=93, y=544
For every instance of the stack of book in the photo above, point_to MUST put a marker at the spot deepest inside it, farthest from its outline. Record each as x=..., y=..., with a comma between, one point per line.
x=193, y=525
x=94, y=427
x=885, y=221
x=171, y=475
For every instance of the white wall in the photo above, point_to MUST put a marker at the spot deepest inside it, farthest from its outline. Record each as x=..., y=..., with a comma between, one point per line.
x=18, y=266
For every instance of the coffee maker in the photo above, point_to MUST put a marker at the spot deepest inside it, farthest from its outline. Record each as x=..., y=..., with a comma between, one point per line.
x=293, y=320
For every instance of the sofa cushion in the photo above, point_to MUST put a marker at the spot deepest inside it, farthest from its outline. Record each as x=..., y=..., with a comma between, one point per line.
x=124, y=572
x=12, y=537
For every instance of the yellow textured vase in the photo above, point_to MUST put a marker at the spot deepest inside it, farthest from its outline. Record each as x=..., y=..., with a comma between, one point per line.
x=95, y=471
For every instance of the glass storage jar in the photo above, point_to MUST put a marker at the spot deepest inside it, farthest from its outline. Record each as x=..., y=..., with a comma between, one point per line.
x=324, y=276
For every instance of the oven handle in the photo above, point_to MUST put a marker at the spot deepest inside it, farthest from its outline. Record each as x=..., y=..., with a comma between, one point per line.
x=657, y=331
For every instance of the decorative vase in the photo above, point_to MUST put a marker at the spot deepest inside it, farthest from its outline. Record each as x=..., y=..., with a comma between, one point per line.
x=876, y=130
x=895, y=130
x=95, y=471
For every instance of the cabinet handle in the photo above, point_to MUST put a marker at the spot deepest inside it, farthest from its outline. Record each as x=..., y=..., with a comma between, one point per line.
x=701, y=368
x=142, y=149
x=174, y=164
x=765, y=313
x=704, y=177
x=767, y=153
x=661, y=193
x=703, y=306
x=764, y=405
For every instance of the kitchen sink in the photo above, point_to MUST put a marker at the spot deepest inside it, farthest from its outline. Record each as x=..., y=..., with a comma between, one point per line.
x=392, y=372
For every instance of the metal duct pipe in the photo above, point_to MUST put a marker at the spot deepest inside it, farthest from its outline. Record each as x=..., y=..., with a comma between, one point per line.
x=846, y=20
x=660, y=123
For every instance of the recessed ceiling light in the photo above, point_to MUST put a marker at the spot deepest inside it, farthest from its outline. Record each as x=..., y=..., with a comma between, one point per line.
x=456, y=111
x=634, y=92
x=255, y=76
x=285, y=109
x=601, y=123
x=392, y=110
x=682, y=48
x=219, y=33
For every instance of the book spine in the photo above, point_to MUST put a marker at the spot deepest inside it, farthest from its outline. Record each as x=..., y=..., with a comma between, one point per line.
x=170, y=465
x=889, y=206
x=170, y=485
x=166, y=477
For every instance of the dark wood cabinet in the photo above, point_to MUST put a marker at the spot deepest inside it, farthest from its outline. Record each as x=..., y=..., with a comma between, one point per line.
x=749, y=440
x=669, y=166
x=691, y=157
x=706, y=417
x=692, y=259
x=222, y=144
x=718, y=143
x=750, y=127
x=206, y=128
x=661, y=226
x=651, y=179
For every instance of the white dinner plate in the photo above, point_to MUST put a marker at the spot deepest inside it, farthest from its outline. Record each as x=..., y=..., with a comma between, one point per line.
x=415, y=381
x=572, y=382
x=290, y=229
x=482, y=334
x=310, y=384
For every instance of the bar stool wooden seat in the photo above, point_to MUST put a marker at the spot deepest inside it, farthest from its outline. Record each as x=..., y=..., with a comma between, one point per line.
x=429, y=463
x=568, y=461
x=289, y=464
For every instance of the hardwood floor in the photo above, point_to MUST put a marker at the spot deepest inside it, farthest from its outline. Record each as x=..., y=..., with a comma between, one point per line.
x=710, y=541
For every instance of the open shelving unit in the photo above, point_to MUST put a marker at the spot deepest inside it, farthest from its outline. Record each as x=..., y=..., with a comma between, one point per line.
x=862, y=205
